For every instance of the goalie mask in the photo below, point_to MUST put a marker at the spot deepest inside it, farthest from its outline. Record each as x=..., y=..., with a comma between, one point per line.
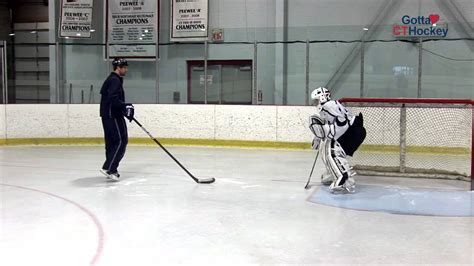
x=320, y=96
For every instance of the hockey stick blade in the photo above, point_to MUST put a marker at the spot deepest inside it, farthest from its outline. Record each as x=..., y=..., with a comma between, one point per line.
x=206, y=180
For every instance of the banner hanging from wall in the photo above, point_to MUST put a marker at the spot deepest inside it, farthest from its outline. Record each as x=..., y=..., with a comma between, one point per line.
x=76, y=19
x=189, y=20
x=132, y=28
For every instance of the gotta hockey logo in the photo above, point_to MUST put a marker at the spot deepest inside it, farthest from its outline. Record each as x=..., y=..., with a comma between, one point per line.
x=421, y=26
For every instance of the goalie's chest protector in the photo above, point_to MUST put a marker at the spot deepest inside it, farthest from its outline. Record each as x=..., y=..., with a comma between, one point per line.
x=338, y=115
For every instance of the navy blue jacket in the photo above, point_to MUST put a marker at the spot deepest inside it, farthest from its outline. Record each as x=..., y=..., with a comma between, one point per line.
x=112, y=99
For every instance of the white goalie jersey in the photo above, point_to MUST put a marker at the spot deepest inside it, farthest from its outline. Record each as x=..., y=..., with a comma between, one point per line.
x=335, y=114
x=331, y=121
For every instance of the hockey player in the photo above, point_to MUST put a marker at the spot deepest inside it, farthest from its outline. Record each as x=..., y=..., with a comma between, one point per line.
x=112, y=111
x=337, y=133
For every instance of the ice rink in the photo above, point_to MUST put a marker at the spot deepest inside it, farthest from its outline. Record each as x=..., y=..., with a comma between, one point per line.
x=57, y=209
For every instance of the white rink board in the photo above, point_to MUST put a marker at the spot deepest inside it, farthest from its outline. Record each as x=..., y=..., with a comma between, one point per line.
x=36, y=121
x=213, y=122
x=2, y=122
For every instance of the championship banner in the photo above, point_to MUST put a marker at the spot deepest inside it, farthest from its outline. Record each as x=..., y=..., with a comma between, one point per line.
x=76, y=19
x=131, y=24
x=189, y=20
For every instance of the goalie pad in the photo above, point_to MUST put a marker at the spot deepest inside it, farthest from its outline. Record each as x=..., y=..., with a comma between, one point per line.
x=326, y=178
x=337, y=165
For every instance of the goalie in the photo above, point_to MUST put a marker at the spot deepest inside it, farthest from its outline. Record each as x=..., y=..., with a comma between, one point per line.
x=337, y=133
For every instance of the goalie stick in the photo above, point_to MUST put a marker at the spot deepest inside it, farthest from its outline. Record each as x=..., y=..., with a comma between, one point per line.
x=307, y=186
x=197, y=180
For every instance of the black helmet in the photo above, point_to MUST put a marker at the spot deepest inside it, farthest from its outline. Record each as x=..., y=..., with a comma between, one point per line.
x=119, y=62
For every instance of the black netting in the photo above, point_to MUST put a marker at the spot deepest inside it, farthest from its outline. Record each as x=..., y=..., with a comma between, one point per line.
x=437, y=139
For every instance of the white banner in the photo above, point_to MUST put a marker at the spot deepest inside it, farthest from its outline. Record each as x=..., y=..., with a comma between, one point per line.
x=189, y=20
x=134, y=23
x=76, y=18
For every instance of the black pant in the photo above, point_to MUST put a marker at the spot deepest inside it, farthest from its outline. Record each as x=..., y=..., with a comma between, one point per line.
x=353, y=137
x=116, y=140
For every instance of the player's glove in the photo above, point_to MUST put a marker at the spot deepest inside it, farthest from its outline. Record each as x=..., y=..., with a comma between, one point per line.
x=129, y=111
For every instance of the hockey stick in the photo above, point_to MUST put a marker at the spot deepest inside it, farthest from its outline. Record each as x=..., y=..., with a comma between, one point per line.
x=197, y=180
x=312, y=169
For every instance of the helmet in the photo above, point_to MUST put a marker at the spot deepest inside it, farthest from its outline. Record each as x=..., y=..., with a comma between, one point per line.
x=119, y=62
x=321, y=94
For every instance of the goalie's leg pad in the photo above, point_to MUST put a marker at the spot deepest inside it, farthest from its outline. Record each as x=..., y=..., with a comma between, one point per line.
x=336, y=163
x=327, y=178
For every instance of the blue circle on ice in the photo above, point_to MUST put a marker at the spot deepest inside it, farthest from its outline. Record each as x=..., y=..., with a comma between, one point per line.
x=399, y=200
